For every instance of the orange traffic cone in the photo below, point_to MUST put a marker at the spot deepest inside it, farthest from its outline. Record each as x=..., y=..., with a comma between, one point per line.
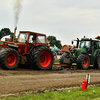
x=85, y=82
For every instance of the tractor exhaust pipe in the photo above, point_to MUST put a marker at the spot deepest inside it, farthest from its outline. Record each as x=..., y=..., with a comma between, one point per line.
x=14, y=33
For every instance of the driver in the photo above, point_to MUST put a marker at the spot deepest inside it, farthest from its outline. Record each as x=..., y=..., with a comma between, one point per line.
x=33, y=39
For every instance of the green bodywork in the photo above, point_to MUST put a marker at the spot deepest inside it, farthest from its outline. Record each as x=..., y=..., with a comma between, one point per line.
x=79, y=51
x=83, y=50
x=95, y=52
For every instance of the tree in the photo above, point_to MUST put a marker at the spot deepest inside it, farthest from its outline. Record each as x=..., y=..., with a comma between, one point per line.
x=58, y=44
x=54, y=41
x=5, y=31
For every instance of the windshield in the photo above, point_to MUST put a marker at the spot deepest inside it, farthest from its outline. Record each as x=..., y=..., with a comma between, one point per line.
x=84, y=44
x=23, y=37
x=41, y=39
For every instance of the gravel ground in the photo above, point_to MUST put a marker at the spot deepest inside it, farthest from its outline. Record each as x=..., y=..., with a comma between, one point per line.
x=23, y=81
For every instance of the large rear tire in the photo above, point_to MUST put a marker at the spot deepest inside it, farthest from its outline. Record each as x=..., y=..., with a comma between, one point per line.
x=41, y=58
x=9, y=58
x=83, y=61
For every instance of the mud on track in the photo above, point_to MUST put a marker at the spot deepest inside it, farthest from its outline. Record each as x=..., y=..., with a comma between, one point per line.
x=28, y=80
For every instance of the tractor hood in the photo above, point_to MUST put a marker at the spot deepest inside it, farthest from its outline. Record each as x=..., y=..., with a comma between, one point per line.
x=5, y=44
x=78, y=51
x=16, y=45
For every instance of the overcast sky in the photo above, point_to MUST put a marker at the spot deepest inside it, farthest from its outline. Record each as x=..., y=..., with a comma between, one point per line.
x=64, y=19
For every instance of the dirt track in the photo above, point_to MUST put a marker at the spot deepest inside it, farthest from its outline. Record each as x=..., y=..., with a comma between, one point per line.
x=25, y=80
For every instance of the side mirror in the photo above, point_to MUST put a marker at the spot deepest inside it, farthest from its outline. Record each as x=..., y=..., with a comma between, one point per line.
x=72, y=42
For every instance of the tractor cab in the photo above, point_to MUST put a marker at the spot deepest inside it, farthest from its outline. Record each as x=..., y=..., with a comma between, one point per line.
x=32, y=37
x=89, y=45
x=27, y=41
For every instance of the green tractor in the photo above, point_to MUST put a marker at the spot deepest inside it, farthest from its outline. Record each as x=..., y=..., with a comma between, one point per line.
x=86, y=53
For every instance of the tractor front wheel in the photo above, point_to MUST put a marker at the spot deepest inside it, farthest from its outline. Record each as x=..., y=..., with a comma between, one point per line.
x=9, y=58
x=83, y=61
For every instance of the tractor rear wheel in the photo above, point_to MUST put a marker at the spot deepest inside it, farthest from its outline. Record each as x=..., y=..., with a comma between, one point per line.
x=97, y=62
x=9, y=58
x=83, y=61
x=41, y=58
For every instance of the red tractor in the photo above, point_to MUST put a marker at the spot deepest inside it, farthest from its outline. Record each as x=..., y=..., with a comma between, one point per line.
x=30, y=47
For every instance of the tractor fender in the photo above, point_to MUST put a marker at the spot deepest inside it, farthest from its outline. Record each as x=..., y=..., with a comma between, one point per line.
x=98, y=53
x=35, y=47
x=84, y=53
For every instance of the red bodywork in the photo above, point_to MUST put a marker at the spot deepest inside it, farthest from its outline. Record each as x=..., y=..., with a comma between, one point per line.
x=24, y=48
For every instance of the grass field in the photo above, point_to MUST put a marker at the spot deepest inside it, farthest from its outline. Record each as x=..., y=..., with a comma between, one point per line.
x=74, y=94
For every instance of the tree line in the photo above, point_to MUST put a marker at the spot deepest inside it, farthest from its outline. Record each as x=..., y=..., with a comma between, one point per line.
x=5, y=31
x=54, y=42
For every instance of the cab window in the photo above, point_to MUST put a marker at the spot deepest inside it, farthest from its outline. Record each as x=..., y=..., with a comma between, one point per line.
x=32, y=38
x=84, y=44
x=41, y=39
x=23, y=37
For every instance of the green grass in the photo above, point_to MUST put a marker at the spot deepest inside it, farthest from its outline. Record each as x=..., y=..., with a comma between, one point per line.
x=56, y=62
x=74, y=94
x=59, y=62
x=57, y=59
